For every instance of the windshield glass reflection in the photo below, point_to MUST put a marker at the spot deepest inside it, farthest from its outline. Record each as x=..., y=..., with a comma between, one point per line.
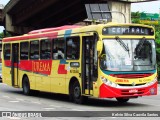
x=128, y=55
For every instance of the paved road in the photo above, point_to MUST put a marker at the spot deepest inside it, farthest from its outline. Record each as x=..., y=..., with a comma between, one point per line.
x=12, y=99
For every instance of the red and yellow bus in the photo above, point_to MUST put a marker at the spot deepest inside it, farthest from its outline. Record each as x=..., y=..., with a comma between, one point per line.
x=0, y=50
x=103, y=61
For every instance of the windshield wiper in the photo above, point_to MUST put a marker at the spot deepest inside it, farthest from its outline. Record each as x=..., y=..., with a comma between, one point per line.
x=124, y=46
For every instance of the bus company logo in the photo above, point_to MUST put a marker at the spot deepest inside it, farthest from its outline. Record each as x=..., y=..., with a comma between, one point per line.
x=133, y=84
x=122, y=80
x=42, y=67
x=152, y=91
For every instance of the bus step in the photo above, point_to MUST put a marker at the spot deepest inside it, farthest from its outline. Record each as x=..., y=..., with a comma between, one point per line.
x=16, y=86
x=87, y=92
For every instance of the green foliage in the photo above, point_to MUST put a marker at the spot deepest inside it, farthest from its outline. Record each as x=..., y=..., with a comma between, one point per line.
x=136, y=14
x=135, y=17
x=2, y=35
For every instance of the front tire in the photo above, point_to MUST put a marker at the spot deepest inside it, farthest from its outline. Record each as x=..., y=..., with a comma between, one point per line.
x=76, y=93
x=122, y=100
x=26, y=86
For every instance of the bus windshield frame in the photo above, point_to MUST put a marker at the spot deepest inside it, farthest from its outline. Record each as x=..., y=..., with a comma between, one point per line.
x=128, y=54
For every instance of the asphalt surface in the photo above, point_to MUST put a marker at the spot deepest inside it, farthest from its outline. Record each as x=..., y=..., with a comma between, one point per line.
x=12, y=99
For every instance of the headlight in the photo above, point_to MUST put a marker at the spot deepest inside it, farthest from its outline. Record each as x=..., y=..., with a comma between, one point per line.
x=108, y=82
x=152, y=82
x=114, y=85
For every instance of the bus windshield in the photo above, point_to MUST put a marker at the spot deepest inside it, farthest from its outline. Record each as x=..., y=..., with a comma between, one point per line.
x=128, y=54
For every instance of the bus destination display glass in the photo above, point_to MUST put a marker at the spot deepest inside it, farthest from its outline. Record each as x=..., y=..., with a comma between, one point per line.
x=127, y=30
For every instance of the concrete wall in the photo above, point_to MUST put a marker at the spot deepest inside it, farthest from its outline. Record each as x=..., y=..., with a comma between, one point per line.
x=121, y=7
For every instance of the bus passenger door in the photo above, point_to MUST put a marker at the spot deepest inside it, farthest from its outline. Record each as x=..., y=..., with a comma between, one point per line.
x=89, y=64
x=14, y=64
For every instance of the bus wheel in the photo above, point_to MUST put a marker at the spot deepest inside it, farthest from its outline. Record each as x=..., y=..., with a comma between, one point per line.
x=26, y=86
x=76, y=92
x=122, y=100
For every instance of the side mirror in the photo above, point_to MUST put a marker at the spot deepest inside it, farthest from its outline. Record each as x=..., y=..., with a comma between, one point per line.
x=99, y=47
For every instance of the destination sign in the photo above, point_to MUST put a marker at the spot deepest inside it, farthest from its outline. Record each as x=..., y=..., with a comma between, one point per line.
x=127, y=30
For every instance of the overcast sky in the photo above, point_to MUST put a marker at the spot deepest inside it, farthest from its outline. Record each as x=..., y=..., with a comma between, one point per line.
x=148, y=7
x=4, y=2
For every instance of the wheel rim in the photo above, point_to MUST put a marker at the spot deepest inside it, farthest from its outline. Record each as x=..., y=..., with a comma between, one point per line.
x=77, y=92
x=25, y=87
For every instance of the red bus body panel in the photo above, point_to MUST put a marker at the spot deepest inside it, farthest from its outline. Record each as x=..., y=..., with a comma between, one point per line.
x=110, y=92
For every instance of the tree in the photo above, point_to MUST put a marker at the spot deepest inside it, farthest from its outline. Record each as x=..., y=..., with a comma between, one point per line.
x=135, y=16
x=2, y=35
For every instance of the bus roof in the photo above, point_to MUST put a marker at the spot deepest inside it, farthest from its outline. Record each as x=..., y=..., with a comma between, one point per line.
x=42, y=33
x=53, y=32
x=54, y=29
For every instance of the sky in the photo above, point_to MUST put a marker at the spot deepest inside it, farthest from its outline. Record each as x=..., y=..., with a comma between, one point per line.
x=147, y=7
x=4, y=2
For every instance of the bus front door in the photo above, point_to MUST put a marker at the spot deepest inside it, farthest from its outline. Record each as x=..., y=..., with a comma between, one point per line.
x=88, y=66
x=14, y=64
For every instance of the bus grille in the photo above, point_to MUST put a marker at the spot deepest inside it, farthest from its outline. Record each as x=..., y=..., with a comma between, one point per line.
x=131, y=76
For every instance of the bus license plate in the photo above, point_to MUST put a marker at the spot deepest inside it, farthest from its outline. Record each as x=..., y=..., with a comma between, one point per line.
x=133, y=91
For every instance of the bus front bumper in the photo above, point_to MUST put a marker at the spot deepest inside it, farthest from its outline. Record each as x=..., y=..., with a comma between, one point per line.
x=111, y=92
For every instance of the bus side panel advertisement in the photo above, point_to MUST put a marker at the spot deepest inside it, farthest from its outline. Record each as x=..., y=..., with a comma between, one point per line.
x=36, y=66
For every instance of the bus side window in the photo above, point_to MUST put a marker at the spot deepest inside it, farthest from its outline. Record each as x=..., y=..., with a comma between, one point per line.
x=7, y=51
x=45, y=52
x=73, y=46
x=58, y=48
x=24, y=49
x=34, y=49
